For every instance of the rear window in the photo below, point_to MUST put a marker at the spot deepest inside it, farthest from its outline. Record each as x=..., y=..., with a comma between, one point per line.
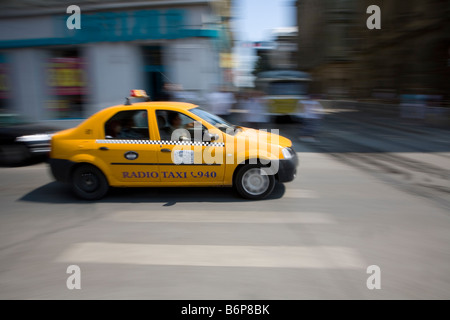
x=288, y=88
x=129, y=124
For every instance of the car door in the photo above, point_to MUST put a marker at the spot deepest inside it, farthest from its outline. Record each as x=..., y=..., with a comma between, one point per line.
x=127, y=148
x=184, y=157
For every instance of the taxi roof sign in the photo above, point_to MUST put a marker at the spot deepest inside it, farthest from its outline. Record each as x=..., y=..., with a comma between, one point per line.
x=137, y=93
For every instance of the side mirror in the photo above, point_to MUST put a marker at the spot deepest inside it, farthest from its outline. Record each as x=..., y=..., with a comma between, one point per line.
x=210, y=136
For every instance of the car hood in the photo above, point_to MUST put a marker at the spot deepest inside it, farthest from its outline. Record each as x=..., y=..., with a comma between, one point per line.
x=259, y=135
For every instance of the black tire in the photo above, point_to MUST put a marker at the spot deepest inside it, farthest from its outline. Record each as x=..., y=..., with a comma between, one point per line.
x=250, y=190
x=89, y=183
x=14, y=154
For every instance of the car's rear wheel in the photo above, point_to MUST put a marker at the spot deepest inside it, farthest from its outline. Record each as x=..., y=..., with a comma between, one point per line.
x=252, y=183
x=89, y=183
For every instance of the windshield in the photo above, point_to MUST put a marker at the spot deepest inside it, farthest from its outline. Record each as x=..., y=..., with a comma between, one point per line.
x=288, y=88
x=215, y=120
x=11, y=120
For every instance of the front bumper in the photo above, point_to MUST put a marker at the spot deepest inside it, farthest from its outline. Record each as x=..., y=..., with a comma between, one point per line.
x=61, y=169
x=38, y=144
x=39, y=148
x=287, y=169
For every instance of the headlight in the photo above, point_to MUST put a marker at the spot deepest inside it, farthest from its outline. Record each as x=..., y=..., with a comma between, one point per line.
x=34, y=138
x=287, y=153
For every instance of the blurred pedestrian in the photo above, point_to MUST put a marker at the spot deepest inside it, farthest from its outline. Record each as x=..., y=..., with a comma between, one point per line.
x=256, y=110
x=312, y=115
x=221, y=102
x=179, y=94
x=166, y=93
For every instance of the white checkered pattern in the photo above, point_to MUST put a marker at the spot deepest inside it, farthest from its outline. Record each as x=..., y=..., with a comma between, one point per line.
x=161, y=142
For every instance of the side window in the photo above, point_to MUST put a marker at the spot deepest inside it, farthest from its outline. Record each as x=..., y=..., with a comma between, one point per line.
x=173, y=125
x=129, y=124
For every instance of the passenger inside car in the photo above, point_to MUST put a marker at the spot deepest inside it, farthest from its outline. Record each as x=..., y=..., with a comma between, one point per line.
x=131, y=124
x=113, y=129
x=128, y=131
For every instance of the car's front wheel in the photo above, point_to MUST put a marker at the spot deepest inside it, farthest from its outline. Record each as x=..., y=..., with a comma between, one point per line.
x=252, y=183
x=14, y=154
x=89, y=183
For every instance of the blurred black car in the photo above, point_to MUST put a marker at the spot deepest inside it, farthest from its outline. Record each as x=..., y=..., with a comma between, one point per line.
x=22, y=141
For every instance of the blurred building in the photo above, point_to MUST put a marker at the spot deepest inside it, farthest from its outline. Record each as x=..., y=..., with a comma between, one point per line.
x=284, y=54
x=245, y=54
x=278, y=54
x=325, y=44
x=409, y=54
x=50, y=72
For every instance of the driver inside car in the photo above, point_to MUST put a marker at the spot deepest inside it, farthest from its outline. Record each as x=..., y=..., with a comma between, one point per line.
x=176, y=123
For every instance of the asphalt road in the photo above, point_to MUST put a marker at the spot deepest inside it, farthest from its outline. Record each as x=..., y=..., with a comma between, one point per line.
x=314, y=238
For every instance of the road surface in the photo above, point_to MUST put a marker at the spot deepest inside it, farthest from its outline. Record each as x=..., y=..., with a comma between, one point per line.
x=359, y=200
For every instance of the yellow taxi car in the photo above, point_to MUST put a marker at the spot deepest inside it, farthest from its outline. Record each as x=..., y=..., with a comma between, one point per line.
x=167, y=144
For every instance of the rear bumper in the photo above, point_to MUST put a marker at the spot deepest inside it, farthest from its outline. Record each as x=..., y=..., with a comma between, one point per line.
x=287, y=170
x=61, y=169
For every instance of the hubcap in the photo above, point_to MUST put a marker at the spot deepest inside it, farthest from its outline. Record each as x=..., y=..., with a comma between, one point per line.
x=254, y=182
x=88, y=182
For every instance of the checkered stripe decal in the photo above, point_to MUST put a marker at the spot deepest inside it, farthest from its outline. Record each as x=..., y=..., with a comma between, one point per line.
x=162, y=142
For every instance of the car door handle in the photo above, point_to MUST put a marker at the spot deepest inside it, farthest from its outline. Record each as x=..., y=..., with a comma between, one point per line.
x=103, y=148
x=166, y=150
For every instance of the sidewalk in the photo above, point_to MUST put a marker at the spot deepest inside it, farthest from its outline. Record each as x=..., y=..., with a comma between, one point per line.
x=428, y=116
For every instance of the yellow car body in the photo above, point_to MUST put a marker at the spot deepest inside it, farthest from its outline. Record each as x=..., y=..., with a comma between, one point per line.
x=148, y=161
